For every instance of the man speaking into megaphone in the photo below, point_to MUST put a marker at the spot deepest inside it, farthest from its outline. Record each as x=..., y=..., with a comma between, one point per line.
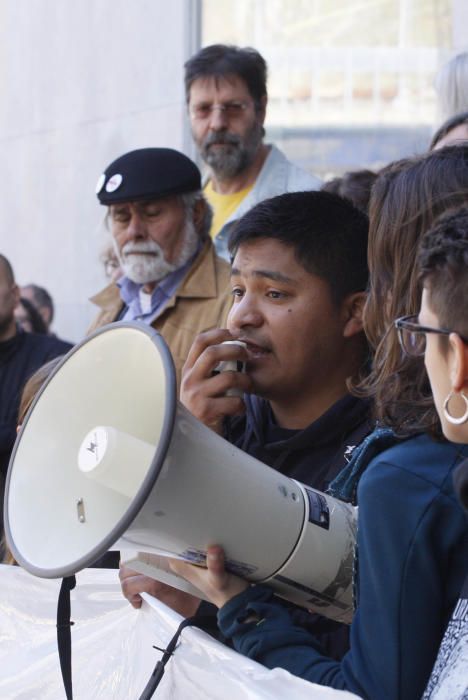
x=298, y=279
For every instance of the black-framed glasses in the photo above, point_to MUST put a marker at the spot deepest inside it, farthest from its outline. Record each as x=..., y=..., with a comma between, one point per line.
x=412, y=335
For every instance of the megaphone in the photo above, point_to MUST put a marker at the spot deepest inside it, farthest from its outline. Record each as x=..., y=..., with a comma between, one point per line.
x=107, y=458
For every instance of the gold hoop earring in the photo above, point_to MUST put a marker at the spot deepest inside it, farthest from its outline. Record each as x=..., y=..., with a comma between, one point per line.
x=451, y=419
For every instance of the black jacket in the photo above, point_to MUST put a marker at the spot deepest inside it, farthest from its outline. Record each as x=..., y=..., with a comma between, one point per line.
x=314, y=455
x=20, y=357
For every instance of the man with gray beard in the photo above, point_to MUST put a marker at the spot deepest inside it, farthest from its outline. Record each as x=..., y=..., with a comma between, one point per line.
x=159, y=221
x=225, y=89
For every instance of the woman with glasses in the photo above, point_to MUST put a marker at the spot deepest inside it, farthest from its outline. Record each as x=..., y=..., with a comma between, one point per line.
x=412, y=543
x=441, y=333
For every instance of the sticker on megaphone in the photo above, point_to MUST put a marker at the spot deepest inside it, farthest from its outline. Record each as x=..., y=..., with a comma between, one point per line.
x=231, y=366
x=198, y=558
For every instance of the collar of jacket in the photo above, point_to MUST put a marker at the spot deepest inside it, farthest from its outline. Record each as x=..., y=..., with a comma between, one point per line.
x=340, y=419
x=199, y=282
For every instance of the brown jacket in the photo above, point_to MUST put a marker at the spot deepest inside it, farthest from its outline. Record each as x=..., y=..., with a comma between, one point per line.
x=202, y=301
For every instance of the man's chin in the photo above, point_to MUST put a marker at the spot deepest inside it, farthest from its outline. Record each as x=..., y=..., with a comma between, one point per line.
x=259, y=387
x=147, y=270
x=217, y=152
x=142, y=278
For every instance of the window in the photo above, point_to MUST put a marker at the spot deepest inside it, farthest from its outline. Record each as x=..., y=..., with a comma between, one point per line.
x=350, y=82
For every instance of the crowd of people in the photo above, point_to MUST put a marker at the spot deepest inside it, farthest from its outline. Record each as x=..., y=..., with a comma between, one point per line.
x=349, y=299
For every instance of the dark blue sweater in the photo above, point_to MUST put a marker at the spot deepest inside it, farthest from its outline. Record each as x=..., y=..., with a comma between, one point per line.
x=449, y=677
x=413, y=554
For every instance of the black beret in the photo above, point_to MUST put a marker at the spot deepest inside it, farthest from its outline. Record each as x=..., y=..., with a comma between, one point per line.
x=147, y=173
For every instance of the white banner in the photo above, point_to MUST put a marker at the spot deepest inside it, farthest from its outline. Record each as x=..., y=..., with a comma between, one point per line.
x=112, y=649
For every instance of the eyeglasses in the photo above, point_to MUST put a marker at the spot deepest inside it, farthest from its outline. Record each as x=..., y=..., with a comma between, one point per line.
x=412, y=335
x=231, y=110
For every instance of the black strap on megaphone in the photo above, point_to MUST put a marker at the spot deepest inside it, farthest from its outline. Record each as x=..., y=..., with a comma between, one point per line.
x=204, y=622
x=64, y=633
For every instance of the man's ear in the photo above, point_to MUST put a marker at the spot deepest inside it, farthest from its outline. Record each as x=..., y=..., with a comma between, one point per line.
x=15, y=290
x=46, y=314
x=458, y=363
x=262, y=105
x=353, y=307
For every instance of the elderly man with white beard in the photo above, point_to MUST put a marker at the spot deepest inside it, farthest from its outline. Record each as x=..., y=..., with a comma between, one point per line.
x=160, y=221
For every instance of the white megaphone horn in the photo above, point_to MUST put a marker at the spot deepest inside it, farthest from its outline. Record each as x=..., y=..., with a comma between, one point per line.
x=107, y=458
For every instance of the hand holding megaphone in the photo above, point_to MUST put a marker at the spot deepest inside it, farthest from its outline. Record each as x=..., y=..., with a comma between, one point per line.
x=217, y=585
x=209, y=391
x=133, y=583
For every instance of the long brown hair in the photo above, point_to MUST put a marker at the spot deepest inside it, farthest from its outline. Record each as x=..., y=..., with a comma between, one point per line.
x=406, y=199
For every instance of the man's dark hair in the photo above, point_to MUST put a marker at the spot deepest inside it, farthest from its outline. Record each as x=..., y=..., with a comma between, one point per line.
x=355, y=186
x=41, y=298
x=8, y=268
x=443, y=266
x=447, y=126
x=34, y=317
x=328, y=234
x=222, y=61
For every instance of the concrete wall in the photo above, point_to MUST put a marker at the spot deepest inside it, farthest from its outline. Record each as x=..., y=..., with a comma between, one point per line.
x=83, y=82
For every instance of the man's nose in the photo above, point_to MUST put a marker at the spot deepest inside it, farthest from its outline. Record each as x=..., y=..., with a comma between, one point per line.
x=136, y=227
x=244, y=313
x=218, y=119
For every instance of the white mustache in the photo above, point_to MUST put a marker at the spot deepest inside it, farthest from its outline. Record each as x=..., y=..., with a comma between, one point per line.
x=142, y=248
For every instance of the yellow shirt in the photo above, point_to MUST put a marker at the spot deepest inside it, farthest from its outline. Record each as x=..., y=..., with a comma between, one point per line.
x=223, y=205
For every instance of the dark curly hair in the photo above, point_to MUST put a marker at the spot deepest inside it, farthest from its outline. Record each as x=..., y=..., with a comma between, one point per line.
x=443, y=269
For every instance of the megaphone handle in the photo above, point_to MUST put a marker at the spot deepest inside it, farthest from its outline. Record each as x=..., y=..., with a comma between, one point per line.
x=64, y=633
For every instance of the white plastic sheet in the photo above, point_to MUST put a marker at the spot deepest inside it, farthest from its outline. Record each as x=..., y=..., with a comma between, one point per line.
x=112, y=649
